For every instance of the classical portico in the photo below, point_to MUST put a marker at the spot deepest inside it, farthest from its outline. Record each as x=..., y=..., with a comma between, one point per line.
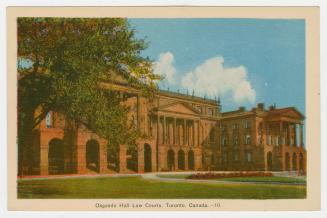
x=178, y=137
x=284, y=145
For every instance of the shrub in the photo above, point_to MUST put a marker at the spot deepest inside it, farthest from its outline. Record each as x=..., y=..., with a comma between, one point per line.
x=210, y=175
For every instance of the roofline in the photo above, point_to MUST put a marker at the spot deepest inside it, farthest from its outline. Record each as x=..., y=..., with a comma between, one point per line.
x=187, y=97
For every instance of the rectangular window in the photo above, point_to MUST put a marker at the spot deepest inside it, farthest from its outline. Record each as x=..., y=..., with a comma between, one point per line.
x=235, y=140
x=224, y=157
x=222, y=127
x=247, y=139
x=212, y=135
x=259, y=139
x=248, y=156
x=247, y=124
x=223, y=142
x=279, y=140
x=210, y=111
x=199, y=109
x=236, y=156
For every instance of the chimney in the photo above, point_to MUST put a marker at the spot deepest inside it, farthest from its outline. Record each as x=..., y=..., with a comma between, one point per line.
x=261, y=106
x=241, y=109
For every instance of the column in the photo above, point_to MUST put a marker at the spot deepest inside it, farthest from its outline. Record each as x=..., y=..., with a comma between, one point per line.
x=200, y=133
x=197, y=159
x=181, y=133
x=162, y=159
x=196, y=131
x=295, y=134
x=81, y=158
x=267, y=135
x=175, y=131
x=191, y=134
x=153, y=158
x=176, y=160
x=281, y=135
x=157, y=131
x=160, y=131
x=171, y=131
x=103, y=157
x=164, y=130
x=184, y=133
x=122, y=159
x=44, y=162
x=140, y=158
x=289, y=134
x=186, y=160
x=301, y=135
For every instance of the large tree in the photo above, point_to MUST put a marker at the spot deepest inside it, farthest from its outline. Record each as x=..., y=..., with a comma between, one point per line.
x=62, y=62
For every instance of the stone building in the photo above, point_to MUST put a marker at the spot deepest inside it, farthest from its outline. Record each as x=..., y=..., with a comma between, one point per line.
x=184, y=133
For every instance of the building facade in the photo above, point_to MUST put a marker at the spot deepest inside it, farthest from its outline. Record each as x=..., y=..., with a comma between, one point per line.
x=183, y=133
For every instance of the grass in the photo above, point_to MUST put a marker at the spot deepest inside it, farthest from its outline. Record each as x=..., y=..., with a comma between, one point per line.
x=136, y=187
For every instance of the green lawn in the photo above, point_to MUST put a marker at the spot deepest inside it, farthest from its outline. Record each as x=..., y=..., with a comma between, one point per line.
x=136, y=187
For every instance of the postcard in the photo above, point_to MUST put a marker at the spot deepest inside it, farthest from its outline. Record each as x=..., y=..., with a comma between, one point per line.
x=163, y=108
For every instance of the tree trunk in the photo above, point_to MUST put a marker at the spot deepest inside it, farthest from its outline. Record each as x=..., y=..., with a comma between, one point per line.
x=25, y=143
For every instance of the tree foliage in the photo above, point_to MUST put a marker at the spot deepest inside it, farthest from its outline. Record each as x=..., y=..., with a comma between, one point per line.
x=62, y=62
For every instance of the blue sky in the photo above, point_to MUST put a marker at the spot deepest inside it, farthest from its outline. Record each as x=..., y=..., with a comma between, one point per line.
x=243, y=61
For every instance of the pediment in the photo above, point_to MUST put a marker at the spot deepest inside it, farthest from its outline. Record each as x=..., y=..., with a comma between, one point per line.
x=288, y=112
x=179, y=108
x=293, y=113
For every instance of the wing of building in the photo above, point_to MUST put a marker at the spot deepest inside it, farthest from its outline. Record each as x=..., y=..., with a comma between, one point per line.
x=184, y=133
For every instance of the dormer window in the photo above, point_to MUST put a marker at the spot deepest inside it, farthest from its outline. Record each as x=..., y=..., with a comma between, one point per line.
x=49, y=120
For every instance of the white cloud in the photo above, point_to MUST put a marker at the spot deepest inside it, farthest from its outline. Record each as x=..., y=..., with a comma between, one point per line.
x=164, y=67
x=213, y=79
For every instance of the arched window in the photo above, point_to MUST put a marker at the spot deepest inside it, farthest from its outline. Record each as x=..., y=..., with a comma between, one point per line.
x=93, y=155
x=181, y=160
x=147, y=158
x=56, y=156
